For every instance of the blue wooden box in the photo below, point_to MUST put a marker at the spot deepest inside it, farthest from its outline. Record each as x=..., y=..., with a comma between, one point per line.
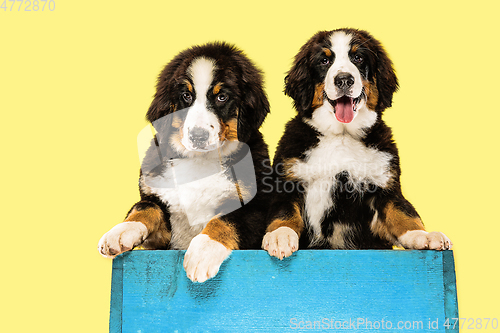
x=314, y=290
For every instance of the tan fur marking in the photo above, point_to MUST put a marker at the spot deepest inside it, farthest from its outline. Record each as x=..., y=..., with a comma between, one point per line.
x=244, y=192
x=328, y=52
x=217, y=88
x=396, y=223
x=354, y=48
x=158, y=240
x=318, y=96
x=294, y=222
x=287, y=168
x=176, y=122
x=238, y=189
x=229, y=130
x=189, y=85
x=371, y=94
x=152, y=218
x=176, y=140
x=341, y=237
x=222, y=232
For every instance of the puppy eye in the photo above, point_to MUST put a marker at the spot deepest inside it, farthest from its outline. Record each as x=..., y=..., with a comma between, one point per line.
x=187, y=97
x=324, y=61
x=357, y=59
x=222, y=98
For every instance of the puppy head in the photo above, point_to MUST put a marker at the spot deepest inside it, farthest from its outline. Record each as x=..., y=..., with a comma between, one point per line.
x=219, y=92
x=346, y=68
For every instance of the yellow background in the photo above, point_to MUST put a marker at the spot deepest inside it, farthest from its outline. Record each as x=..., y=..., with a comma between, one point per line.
x=75, y=84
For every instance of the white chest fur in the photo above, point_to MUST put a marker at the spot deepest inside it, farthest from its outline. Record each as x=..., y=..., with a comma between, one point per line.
x=193, y=189
x=333, y=155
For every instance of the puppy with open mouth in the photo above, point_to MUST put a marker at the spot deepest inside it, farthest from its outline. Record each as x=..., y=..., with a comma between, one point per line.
x=337, y=167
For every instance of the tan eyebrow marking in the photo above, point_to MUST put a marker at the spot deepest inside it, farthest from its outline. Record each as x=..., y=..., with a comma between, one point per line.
x=176, y=122
x=328, y=52
x=318, y=96
x=217, y=88
x=189, y=85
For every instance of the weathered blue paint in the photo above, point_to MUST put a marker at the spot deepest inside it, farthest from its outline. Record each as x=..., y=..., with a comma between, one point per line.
x=115, y=316
x=254, y=292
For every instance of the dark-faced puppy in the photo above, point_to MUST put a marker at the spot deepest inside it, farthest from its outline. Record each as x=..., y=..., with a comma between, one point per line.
x=200, y=178
x=337, y=167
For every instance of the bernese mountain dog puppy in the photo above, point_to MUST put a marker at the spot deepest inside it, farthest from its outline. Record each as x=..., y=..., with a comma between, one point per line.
x=336, y=168
x=200, y=181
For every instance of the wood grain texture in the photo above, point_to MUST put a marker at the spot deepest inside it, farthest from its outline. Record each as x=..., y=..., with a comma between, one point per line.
x=312, y=290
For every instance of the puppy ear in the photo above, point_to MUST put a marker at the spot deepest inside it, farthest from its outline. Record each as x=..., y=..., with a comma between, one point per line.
x=164, y=100
x=298, y=82
x=254, y=106
x=387, y=82
x=162, y=103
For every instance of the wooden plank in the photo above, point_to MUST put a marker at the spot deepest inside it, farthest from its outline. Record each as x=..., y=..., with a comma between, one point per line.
x=361, y=291
x=115, y=316
x=450, y=287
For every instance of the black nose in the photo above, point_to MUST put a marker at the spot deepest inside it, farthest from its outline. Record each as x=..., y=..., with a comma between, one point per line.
x=198, y=136
x=344, y=81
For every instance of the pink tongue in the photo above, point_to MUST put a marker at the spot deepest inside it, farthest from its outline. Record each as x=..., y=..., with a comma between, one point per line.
x=344, y=109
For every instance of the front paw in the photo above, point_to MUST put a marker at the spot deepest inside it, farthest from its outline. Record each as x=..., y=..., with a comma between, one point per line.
x=423, y=240
x=122, y=237
x=281, y=243
x=203, y=258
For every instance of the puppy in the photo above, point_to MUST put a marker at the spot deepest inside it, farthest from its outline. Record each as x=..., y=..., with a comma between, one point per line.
x=200, y=178
x=337, y=167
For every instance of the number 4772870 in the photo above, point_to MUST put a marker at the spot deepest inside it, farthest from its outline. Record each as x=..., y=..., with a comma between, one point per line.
x=28, y=5
x=471, y=323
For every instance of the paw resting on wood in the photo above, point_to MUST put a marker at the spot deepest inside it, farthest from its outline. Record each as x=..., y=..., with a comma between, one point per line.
x=423, y=240
x=203, y=258
x=281, y=243
x=121, y=238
